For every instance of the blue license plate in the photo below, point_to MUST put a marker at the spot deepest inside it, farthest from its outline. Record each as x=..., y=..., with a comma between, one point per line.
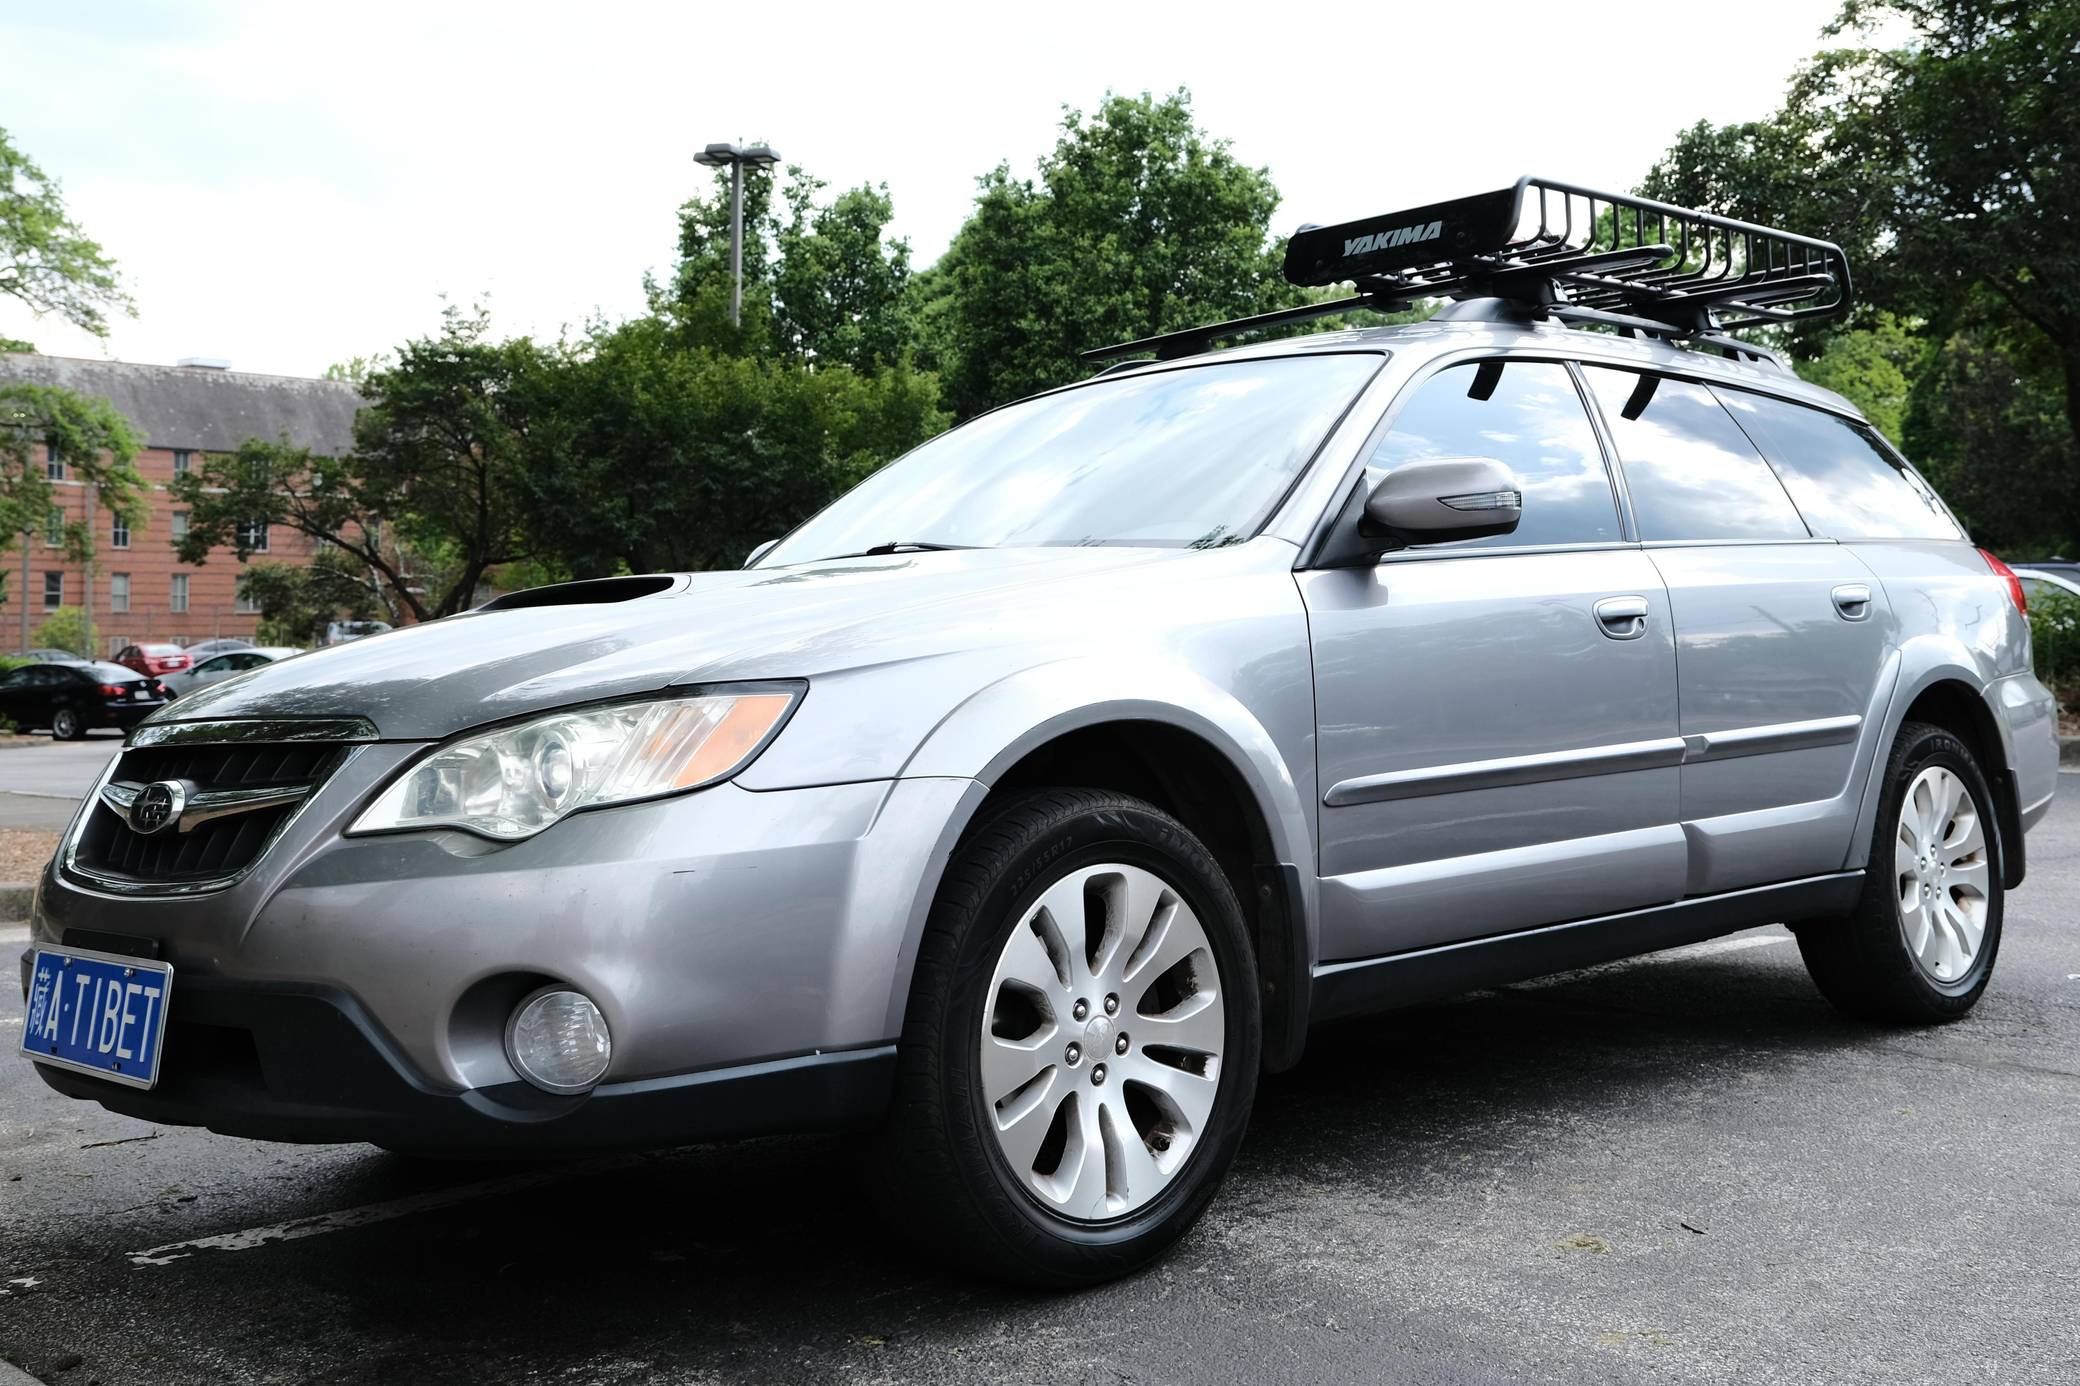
x=97, y=1013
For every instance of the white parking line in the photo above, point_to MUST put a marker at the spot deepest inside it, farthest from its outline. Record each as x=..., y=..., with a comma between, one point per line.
x=367, y=1214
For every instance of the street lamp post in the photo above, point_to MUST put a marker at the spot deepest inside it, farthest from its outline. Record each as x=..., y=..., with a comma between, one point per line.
x=736, y=157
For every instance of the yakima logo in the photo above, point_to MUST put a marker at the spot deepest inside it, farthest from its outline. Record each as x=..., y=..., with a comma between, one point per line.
x=1400, y=235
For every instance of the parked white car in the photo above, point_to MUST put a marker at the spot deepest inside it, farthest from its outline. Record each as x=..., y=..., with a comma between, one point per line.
x=223, y=666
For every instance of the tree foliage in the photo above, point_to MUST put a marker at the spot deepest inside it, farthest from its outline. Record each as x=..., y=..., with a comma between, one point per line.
x=297, y=601
x=654, y=455
x=428, y=499
x=96, y=445
x=1138, y=222
x=46, y=260
x=1942, y=163
x=65, y=628
x=823, y=282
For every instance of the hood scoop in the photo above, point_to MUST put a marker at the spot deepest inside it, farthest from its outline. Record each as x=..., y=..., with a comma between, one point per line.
x=592, y=592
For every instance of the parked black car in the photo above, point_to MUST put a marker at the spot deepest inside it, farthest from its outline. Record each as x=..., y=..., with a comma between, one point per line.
x=72, y=697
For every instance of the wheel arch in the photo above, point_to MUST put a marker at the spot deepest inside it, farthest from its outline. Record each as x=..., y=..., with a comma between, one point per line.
x=1950, y=693
x=1194, y=752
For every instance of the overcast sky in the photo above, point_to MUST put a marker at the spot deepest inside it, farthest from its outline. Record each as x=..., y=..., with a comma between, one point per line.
x=287, y=185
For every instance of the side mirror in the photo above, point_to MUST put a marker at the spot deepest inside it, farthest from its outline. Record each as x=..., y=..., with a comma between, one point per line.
x=760, y=552
x=1428, y=502
x=1445, y=498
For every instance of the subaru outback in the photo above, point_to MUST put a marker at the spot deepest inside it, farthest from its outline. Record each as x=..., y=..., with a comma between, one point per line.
x=1026, y=804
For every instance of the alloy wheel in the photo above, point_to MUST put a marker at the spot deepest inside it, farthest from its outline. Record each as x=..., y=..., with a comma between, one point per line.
x=1942, y=867
x=1101, y=1041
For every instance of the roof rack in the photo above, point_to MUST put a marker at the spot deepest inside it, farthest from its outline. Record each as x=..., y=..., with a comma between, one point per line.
x=1547, y=249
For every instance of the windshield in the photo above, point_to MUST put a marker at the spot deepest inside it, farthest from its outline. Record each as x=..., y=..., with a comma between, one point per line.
x=1192, y=457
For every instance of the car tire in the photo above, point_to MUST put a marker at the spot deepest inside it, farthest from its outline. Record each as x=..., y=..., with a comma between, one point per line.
x=66, y=726
x=1121, y=1171
x=1919, y=948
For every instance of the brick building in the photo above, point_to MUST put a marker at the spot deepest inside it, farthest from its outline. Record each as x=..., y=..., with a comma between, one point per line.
x=135, y=589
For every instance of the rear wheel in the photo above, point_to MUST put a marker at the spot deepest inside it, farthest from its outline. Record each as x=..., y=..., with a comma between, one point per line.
x=1920, y=946
x=66, y=725
x=1081, y=1047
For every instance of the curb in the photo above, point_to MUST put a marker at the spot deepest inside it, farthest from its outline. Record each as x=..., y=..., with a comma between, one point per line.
x=2069, y=752
x=11, y=1375
x=14, y=904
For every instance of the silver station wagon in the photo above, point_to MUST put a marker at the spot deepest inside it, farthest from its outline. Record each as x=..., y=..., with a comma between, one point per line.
x=1026, y=804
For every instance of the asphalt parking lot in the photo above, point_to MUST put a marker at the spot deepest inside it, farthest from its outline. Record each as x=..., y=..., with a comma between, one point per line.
x=41, y=782
x=1680, y=1169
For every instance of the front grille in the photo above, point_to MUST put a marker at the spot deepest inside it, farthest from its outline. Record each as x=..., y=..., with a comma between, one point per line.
x=110, y=849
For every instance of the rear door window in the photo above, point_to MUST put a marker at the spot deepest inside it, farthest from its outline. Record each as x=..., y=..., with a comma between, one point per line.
x=1528, y=416
x=1847, y=484
x=1691, y=471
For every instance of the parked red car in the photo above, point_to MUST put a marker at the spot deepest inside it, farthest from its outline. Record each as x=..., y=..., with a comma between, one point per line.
x=154, y=660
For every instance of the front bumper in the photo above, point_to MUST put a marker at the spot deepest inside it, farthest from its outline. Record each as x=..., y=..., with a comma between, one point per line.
x=295, y=1063
x=751, y=951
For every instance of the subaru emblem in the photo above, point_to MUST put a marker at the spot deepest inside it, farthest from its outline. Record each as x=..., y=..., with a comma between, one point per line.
x=157, y=807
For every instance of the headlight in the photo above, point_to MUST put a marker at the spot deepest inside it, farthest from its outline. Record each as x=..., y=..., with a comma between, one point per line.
x=513, y=782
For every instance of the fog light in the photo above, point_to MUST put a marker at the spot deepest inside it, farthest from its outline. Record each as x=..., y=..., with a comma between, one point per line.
x=559, y=1041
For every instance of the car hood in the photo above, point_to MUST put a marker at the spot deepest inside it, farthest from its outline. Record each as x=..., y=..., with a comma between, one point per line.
x=432, y=680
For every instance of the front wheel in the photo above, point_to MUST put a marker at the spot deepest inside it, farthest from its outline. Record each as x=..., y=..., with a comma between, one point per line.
x=1080, y=1051
x=1920, y=946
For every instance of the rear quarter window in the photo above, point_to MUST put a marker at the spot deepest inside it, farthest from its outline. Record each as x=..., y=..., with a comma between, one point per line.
x=1692, y=473
x=1846, y=483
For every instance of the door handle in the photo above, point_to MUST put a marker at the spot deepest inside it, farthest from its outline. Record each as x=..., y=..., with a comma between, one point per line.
x=1852, y=600
x=1622, y=618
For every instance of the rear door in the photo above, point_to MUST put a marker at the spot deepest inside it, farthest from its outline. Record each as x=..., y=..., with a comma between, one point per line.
x=17, y=696
x=1782, y=637
x=1497, y=741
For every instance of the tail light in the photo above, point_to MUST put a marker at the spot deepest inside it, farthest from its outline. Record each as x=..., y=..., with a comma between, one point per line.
x=2007, y=575
x=110, y=690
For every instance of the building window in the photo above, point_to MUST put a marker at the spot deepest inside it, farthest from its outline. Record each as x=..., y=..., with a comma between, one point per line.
x=252, y=536
x=119, y=593
x=119, y=533
x=179, y=601
x=53, y=465
x=180, y=525
x=53, y=591
x=244, y=604
x=54, y=528
x=182, y=459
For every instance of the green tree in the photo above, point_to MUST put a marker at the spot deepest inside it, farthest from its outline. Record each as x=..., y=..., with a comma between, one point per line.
x=297, y=601
x=64, y=629
x=650, y=454
x=1139, y=222
x=840, y=286
x=1874, y=368
x=96, y=445
x=1942, y=164
x=46, y=260
x=428, y=498
x=823, y=283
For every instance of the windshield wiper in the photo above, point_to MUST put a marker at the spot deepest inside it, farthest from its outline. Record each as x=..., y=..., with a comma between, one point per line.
x=904, y=546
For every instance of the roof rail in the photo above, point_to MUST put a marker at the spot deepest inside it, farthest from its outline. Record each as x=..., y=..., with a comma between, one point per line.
x=1552, y=249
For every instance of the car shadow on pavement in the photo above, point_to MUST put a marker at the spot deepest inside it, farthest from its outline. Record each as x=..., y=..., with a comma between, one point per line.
x=710, y=1256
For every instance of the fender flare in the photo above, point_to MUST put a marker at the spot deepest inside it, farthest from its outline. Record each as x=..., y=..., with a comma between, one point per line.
x=1047, y=701
x=1925, y=662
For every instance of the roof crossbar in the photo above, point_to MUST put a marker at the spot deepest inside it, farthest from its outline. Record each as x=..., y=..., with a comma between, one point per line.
x=1546, y=246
